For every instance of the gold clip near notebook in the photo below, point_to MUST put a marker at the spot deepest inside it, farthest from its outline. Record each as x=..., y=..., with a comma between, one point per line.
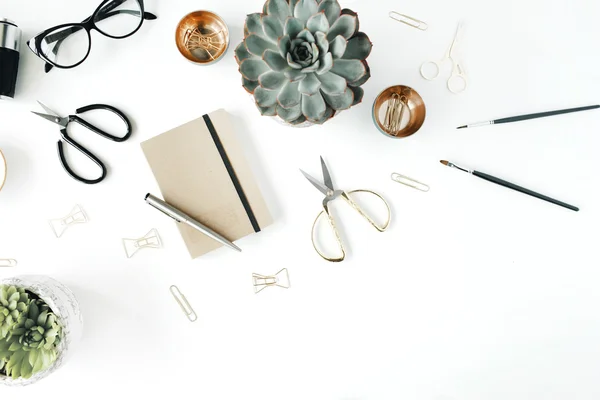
x=7, y=262
x=150, y=241
x=60, y=225
x=410, y=182
x=183, y=303
x=410, y=21
x=281, y=279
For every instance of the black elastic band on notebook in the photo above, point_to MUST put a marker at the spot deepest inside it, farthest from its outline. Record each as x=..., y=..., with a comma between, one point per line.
x=232, y=175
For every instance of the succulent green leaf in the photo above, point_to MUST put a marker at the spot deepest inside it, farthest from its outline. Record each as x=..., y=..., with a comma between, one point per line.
x=326, y=64
x=329, y=112
x=365, y=77
x=252, y=69
x=275, y=61
x=332, y=10
x=315, y=52
x=289, y=114
x=305, y=9
x=291, y=62
x=242, y=53
x=306, y=36
x=272, y=80
x=267, y=111
x=359, y=47
x=289, y=96
x=340, y=102
x=254, y=23
x=312, y=68
x=318, y=23
x=338, y=46
x=272, y=27
x=257, y=45
x=293, y=26
x=264, y=97
x=301, y=119
x=322, y=43
x=279, y=9
x=313, y=107
x=292, y=5
x=352, y=70
x=249, y=85
x=284, y=46
x=346, y=25
x=13, y=367
x=332, y=84
x=295, y=75
x=310, y=85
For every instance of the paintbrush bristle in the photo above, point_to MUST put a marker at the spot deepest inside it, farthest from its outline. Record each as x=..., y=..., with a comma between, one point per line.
x=462, y=127
x=444, y=162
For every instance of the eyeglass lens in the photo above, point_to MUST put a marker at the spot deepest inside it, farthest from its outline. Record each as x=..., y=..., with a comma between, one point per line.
x=119, y=18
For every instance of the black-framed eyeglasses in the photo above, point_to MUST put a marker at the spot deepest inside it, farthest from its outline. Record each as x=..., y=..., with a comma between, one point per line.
x=68, y=45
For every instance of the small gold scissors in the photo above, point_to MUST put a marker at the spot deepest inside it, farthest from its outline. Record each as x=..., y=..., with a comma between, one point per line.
x=331, y=194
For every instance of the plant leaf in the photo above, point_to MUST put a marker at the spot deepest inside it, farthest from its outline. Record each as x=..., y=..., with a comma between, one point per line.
x=254, y=23
x=267, y=111
x=34, y=311
x=294, y=75
x=322, y=43
x=242, y=53
x=338, y=46
x=310, y=85
x=252, y=69
x=365, y=77
x=279, y=9
x=293, y=26
x=289, y=96
x=312, y=68
x=272, y=80
x=352, y=70
x=291, y=62
x=345, y=25
x=313, y=107
x=305, y=9
x=318, y=23
x=326, y=64
x=332, y=10
x=275, y=61
x=332, y=84
x=359, y=47
x=284, y=46
x=257, y=45
x=329, y=112
x=249, y=85
x=264, y=97
x=272, y=27
x=289, y=114
x=306, y=36
x=340, y=102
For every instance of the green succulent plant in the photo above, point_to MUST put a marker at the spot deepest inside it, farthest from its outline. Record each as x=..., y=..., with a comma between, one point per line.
x=303, y=60
x=13, y=302
x=30, y=345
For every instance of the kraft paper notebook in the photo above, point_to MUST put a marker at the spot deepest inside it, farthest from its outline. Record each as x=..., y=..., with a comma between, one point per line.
x=201, y=170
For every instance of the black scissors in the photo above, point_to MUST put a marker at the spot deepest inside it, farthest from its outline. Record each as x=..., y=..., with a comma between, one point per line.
x=63, y=122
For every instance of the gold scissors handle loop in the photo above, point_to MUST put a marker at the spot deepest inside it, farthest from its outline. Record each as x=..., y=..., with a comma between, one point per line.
x=332, y=224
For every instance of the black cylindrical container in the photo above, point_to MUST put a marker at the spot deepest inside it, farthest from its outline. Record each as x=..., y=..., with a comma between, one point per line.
x=10, y=40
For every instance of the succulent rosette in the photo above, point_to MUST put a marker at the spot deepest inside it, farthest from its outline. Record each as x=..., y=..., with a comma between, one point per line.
x=304, y=60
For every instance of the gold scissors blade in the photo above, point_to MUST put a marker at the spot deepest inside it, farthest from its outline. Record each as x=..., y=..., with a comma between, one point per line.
x=322, y=188
x=326, y=175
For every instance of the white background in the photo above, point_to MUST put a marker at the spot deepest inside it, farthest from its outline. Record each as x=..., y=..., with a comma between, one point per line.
x=475, y=292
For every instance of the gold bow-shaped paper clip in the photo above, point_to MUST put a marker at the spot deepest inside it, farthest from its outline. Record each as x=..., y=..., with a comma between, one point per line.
x=7, y=262
x=60, y=225
x=281, y=279
x=150, y=241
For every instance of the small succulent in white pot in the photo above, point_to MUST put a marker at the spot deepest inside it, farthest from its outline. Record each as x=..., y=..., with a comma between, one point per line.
x=40, y=322
x=304, y=60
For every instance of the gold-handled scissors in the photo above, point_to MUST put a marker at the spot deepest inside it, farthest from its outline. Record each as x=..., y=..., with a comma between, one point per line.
x=331, y=194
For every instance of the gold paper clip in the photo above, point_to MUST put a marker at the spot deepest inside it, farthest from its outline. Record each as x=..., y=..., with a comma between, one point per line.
x=195, y=40
x=150, y=241
x=261, y=281
x=410, y=182
x=7, y=262
x=60, y=225
x=410, y=21
x=183, y=303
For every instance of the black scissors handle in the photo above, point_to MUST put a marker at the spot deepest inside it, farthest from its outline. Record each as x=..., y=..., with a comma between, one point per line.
x=86, y=152
x=95, y=129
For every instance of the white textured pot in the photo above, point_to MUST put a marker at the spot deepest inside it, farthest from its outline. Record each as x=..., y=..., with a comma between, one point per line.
x=65, y=306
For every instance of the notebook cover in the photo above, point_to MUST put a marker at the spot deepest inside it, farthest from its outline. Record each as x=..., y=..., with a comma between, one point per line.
x=192, y=176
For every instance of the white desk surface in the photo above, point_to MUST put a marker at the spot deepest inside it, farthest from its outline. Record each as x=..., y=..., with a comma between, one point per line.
x=476, y=292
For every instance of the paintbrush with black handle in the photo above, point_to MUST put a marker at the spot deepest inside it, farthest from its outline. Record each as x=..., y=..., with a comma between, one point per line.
x=509, y=185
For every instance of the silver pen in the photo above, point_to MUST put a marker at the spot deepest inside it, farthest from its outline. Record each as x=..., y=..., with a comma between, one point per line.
x=183, y=218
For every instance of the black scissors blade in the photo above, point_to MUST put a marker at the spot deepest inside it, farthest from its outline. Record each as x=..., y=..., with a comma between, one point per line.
x=52, y=118
x=326, y=175
x=322, y=188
